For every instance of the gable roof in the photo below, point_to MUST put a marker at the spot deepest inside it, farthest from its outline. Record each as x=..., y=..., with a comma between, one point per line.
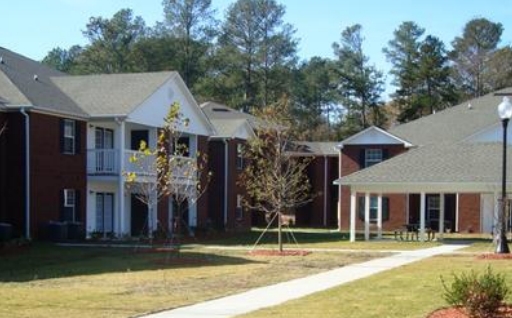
x=316, y=148
x=25, y=82
x=475, y=166
x=373, y=135
x=111, y=94
x=447, y=158
x=215, y=111
x=453, y=124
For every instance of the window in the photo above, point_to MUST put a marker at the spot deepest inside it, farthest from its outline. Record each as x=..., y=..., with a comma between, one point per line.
x=239, y=207
x=433, y=207
x=240, y=156
x=105, y=212
x=69, y=137
x=374, y=209
x=372, y=156
x=69, y=205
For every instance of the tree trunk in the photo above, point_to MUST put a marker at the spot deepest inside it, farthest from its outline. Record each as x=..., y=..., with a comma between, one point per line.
x=279, y=232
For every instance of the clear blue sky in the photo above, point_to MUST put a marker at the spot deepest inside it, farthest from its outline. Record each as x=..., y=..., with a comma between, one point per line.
x=34, y=27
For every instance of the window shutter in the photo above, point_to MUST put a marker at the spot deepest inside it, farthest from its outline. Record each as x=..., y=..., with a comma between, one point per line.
x=78, y=211
x=385, y=154
x=77, y=137
x=61, y=135
x=385, y=209
x=61, y=206
x=361, y=208
x=362, y=157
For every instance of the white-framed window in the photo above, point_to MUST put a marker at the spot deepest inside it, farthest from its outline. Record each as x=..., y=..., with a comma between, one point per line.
x=69, y=205
x=374, y=208
x=433, y=207
x=69, y=137
x=239, y=207
x=372, y=156
x=240, y=156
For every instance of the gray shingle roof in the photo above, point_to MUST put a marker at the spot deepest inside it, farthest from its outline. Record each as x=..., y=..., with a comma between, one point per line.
x=227, y=127
x=442, y=155
x=437, y=163
x=318, y=148
x=216, y=111
x=452, y=124
x=111, y=94
x=19, y=87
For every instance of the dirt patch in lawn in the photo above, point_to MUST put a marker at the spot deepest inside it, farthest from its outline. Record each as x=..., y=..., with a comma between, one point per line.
x=505, y=311
x=279, y=253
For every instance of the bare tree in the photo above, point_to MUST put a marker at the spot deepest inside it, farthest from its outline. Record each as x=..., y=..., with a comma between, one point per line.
x=167, y=170
x=274, y=178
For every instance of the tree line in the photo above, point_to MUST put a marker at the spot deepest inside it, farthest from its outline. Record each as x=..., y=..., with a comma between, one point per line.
x=248, y=60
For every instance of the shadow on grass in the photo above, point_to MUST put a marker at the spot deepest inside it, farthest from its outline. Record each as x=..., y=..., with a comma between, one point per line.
x=48, y=261
x=270, y=237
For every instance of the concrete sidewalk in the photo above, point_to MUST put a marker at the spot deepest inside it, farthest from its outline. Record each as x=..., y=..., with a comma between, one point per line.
x=272, y=295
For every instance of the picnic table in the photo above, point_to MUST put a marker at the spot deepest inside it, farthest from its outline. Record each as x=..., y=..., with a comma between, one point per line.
x=410, y=232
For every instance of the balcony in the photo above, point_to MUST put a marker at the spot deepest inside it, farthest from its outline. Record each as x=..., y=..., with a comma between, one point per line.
x=103, y=162
x=106, y=162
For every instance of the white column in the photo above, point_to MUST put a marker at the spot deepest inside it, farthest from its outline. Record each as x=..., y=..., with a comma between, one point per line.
x=352, y=216
x=121, y=190
x=379, y=216
x=441, y=216
x=367, y=216
x=457, y=212
x=422, y=216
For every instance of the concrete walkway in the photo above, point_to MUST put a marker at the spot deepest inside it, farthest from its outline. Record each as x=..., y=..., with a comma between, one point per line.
x=272, y=295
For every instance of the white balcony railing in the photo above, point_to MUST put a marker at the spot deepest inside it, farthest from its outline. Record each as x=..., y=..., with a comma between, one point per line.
x=107, y=162
x=103, y=161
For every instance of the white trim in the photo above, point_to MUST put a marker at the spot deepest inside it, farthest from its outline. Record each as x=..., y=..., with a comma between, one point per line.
x=379, y=216
x=422, y=216
x=352, y=216
x=350, y=140
x=457, y=212
x=417, y=187
x=367, y=216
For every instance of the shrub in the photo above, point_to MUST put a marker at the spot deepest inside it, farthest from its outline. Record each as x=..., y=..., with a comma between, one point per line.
x=481, y=295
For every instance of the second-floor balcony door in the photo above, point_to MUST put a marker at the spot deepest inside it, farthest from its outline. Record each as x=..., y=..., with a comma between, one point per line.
x=105, y=157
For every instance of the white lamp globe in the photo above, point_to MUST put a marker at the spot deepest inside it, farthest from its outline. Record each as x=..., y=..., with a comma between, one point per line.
x=505, y=108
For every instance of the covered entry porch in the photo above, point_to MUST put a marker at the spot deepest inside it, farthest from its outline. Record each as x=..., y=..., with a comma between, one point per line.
x=431, y=209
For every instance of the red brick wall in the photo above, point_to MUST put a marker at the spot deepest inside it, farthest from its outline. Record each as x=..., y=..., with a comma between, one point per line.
x=52, y=171
x=350, y=164
x=202, y=203
x=469, y=212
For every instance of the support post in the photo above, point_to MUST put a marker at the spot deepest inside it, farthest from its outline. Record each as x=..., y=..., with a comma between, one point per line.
x=367, y=216
x=422, y=216
x=441, y=216
x=379, y=216
x=352, y=216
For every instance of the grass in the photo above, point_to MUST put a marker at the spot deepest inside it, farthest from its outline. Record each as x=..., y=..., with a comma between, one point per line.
x=316, y=238
x=50, y=281
x=409, y=292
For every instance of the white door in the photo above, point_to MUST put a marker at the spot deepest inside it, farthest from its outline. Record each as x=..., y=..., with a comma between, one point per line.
x=105, y=212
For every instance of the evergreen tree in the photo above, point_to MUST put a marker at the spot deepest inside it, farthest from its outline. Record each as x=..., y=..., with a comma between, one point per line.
x=360, y=84
x=255, y=54
x=471, y=55
x=192, y=25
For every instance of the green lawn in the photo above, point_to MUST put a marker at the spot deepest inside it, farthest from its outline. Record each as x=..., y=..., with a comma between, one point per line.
x=45, y=280
x=408, y=292
x=51, y=281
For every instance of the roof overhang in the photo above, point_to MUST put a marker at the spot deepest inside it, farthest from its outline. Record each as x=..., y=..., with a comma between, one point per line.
x=427, y=187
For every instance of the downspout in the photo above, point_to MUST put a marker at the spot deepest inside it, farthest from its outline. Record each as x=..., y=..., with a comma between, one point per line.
x=27, y=172
x=226, y=166
x=325, y=191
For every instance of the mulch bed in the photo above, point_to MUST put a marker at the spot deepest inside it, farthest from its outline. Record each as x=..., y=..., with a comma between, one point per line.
x=279, y=253
x=494, y=256
x=456, y=312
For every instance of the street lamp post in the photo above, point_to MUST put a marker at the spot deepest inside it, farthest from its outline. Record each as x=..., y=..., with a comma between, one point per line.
x=505, y=113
